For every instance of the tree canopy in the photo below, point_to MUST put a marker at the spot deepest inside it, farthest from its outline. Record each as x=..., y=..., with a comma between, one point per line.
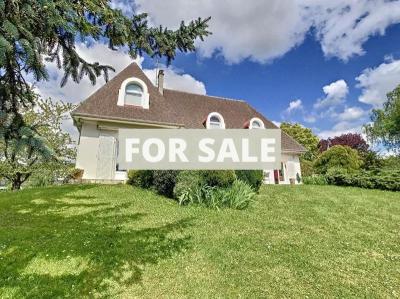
x=339, y=156
x=385, y=126
x=36, y=32
x=353, y=140
x=304, y=136
x=49, y=150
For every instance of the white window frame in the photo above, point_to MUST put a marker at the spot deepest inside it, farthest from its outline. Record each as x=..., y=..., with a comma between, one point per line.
x=256, y=119
x=145, y=96
x=219, y=116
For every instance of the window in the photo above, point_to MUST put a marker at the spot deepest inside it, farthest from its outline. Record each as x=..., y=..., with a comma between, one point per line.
x=215, y=121
x=133, y=94
x=256, y=123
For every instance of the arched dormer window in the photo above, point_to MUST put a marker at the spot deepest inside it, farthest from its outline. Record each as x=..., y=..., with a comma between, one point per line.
x=215, y=121
x=256, y=123
x=133, y=92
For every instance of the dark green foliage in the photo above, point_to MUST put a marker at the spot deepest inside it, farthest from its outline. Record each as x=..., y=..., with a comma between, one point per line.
x=338, y=156
x=371, y=160
x=164, y=181
x=384, y=180
x=140, y=178
x=218, y=178
x=254, y=178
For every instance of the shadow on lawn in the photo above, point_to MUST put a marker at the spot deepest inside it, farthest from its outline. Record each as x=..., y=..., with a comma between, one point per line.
x=109, y=255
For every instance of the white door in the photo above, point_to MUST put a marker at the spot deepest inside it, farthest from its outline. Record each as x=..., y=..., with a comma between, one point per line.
x=106, y=158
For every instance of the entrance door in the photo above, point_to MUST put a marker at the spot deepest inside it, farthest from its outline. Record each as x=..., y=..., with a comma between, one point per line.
x=106, y=157
x=276, y=176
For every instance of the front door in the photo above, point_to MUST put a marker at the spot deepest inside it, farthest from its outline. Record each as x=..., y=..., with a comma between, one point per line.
x=106, y=158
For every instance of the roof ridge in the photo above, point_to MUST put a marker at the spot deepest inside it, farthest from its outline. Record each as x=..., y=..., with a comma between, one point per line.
x=206, y=95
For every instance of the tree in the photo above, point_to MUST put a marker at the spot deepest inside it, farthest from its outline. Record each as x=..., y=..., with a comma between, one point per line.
x=32, y=31
x=385, y=127
x=35, y=31
x=304, y=136
x=355, y=141
x=339, y=156
x=51, y=150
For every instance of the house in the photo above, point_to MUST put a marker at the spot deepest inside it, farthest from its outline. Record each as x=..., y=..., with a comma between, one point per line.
x=130, y=100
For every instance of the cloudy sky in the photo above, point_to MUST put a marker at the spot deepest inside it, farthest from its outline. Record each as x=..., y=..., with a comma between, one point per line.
x=324, y=64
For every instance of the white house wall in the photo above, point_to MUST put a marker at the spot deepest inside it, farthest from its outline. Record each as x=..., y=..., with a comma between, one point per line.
x=87, y=150
x=87, y=156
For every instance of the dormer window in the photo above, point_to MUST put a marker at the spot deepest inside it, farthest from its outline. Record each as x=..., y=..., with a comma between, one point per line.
x=215, y=121
x=256, y=123
x=133, y=92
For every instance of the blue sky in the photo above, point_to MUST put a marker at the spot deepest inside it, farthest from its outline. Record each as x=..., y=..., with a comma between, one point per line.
x=324, y=64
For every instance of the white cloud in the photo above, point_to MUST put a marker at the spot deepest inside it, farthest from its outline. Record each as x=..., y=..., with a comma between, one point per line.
x=341, y=128
x=252, y=30
x=277, y=123
x=351, y=114
x=310, y=118
x=377, y=82
x=336, y=93
x=343, y=26
x=257, y=33
x=175, y=79
x=294, y=105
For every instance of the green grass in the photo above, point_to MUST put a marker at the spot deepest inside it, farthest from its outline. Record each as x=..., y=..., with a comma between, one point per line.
x=115, y=241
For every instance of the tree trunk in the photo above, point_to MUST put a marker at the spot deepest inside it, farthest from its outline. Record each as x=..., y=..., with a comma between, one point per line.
x=16, y=183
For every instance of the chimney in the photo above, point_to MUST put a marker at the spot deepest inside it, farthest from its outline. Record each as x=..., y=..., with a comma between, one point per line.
x=161, y=81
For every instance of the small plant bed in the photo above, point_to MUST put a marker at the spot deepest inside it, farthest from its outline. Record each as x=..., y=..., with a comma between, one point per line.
x=214, y=189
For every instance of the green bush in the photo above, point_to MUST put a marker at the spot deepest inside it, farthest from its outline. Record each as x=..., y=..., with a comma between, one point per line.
x=307, y=168
x=315, y=179
x=218, y=178
x=254, y=178
x=384, y=180
x=164, y=182
x=141, y=178
x=338, y=156
x=187, y=180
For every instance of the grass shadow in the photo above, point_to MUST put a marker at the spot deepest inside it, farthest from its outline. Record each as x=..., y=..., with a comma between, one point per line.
x=43, y=253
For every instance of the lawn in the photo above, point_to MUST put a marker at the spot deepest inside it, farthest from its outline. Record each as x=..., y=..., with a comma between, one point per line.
x=115, y=241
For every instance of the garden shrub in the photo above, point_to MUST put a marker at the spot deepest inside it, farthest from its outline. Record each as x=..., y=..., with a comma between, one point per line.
x=315, y=179
x=237, y=196
x=187, y=180
x=307, y=168
x=218, y=178
x=164, y=182
x=338, y=156
x=141, y=178
x=384, y=180
x=254, y=178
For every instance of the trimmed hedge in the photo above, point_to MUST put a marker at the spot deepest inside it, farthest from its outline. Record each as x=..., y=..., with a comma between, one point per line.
x=367, y=179
x=254, y=178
